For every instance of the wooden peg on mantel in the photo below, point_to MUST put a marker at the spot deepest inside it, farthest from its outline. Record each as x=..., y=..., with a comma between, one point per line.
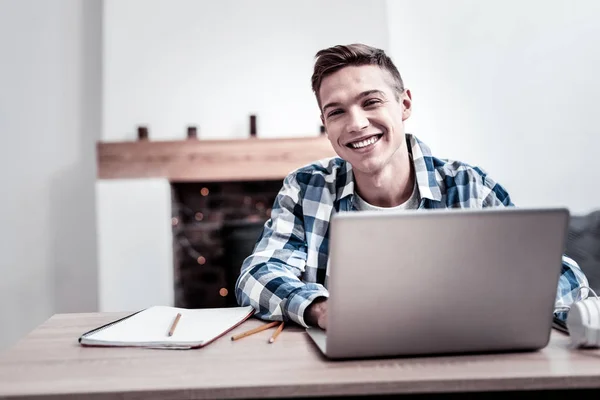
x=253, y=126
x=192, y=132
x=142, y=133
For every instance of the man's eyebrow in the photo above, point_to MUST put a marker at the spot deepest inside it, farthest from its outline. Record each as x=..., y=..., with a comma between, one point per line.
x=361, y=95
x=370, y=92
x=333, y=104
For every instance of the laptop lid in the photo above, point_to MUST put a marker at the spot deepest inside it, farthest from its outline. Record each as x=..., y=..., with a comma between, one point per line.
x=443, y=281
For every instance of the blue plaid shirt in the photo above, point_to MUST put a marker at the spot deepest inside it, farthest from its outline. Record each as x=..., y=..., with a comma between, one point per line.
x=288, y=267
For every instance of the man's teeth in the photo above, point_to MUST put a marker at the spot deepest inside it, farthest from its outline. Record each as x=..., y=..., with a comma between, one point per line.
x=365, y=142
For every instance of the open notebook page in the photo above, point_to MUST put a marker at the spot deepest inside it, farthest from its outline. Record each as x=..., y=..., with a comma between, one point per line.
x=151, y=326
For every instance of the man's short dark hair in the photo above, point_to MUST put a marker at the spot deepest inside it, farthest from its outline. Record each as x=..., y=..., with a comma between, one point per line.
x=337, y=57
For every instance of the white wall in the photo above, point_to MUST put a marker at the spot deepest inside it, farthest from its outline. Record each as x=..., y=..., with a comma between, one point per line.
x=49, y=120
x=170, y=63
x=135, y=244
x=509, y=85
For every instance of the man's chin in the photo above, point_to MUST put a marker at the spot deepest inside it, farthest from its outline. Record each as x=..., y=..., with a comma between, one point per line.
x=366, y=167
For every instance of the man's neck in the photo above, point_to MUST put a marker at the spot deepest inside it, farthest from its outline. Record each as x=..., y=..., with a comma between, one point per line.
x=391, y=186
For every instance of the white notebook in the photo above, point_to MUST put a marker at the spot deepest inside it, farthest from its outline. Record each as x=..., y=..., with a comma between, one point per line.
x=150, y=328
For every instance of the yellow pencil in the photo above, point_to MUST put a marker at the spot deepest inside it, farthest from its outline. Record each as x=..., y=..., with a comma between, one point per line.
x=174, y=324
x=277, y=332
x=255, y=330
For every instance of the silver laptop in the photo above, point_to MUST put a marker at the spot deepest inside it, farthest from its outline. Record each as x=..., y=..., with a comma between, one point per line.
x=424, y=282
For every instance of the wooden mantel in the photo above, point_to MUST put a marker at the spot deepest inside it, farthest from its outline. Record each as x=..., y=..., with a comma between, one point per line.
x=209, y=160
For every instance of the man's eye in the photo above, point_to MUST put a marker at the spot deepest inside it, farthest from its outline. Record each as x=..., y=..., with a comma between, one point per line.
x=371, y=102
x=334, y=113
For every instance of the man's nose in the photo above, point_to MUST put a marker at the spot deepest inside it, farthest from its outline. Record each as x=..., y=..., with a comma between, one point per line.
x=357, y=120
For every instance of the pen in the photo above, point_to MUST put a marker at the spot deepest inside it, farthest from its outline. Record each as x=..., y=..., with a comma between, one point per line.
x=174, y=324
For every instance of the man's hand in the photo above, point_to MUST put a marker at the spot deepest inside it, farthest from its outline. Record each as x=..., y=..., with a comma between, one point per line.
x=316, y=313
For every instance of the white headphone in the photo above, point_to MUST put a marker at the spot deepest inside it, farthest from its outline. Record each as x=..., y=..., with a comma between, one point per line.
x=583, y=322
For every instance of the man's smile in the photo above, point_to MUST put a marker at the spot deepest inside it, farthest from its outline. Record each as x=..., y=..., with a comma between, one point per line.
x=365, y=143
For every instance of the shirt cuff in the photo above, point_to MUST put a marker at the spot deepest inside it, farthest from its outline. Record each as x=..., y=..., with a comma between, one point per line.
x=299, y=300
x=561, y=315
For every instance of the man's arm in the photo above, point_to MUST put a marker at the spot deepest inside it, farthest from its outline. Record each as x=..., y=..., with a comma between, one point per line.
x=270, y=277
x=571, y=277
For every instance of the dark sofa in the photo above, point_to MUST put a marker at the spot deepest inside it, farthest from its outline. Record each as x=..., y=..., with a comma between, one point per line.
x=583, y=245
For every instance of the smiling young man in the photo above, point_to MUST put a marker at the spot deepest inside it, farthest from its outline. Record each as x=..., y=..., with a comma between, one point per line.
x=363, y=106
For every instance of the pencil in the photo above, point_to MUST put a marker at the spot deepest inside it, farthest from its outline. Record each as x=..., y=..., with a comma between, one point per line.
x=174, y=324
x=277, y=332
x=255, y=330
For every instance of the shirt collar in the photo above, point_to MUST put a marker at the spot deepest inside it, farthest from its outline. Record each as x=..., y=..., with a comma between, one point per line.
x=425, y=172
x=422, y=159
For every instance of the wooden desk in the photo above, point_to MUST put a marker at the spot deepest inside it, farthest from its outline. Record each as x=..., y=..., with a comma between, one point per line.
x=49, y=363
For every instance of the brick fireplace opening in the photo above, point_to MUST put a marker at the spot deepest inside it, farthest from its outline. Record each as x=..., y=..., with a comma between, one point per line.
x=215, y=227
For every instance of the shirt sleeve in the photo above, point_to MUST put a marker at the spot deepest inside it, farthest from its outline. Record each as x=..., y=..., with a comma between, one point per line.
x=572, y=283
x=269, y=278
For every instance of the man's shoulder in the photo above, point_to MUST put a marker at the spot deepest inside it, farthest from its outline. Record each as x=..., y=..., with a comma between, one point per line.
x=323, y=181
x=445, y=171
x=450, y=170
x=320, y=172
x=464, y=183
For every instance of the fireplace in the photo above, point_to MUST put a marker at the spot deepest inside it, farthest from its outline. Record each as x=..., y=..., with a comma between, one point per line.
x=215, y=227
x=177, y=218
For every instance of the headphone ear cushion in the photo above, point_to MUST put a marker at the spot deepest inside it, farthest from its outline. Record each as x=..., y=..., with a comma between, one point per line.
x=593, y=321
x=583, y=322
x=575, y=321
x=595, y=329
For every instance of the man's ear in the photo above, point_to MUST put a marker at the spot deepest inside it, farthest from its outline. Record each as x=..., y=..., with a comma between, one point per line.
x=323, y=123
x=406, y=100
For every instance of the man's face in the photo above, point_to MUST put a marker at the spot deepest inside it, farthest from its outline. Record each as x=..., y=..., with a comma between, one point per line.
x=363, y=119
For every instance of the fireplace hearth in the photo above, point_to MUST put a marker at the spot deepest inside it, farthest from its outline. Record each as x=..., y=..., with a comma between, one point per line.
x=215, y=227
